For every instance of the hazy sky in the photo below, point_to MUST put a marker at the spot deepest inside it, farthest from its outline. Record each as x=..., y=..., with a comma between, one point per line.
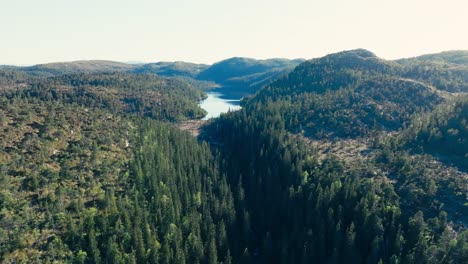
x=39, y=31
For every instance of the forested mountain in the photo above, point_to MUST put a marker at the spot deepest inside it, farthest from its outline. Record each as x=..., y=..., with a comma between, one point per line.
x=455, y=57
x=244, y=76
x=349, y=101
x=144, y=94
x=447, y=70
x=87, y=186
x=349, y=158
x=86, y=178
x=443, y=131
x=90, y=66
x=298, y=207
x=239, y=76
x=351, y=93
x=178, y=68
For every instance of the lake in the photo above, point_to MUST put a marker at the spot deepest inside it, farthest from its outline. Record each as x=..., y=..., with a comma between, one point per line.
x=215, y=105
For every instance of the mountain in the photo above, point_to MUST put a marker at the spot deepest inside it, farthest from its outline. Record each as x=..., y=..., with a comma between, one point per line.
x=347, y=158
x=178, y=68
x=244, y=75
x=459, y=57
x=86, y=185
x=350, y=93
x=237, y=76
x=339, y=121
x=143, y=94
x=447, y=70
x=443, y=131
x=88, y=66
x=237, y=67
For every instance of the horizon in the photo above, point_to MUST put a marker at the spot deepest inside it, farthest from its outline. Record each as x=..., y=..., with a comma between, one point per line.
x=208, y=31
x=186, y=61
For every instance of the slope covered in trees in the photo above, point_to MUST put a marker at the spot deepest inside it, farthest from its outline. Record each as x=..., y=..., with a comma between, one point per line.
x=443, y=131
x=455, y=57
x=296, y=208
x=92, y=171
x=178, y=68
x=90, y=66
x=235, y=76
x=244, y=76
x=239, y=76
x=447, y=70
x=83, y=185
x=144, y=94
x=347, y=94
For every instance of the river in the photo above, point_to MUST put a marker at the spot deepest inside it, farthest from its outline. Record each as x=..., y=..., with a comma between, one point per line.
x=215, y=105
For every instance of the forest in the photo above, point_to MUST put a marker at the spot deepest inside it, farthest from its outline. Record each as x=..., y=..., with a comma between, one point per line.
x=347, y=158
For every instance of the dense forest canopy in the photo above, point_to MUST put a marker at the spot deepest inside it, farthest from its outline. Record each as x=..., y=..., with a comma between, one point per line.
x=354, y=93
x=238, y=76
x=349, y=158
x=144, y=94
x=443, y=131
x=455, y=57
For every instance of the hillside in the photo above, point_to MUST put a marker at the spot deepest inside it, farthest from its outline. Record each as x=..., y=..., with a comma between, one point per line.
x=348, y=94
x=83, y=185
x=144, y=94
x=447, y=70
x=178, y=68
x=442, y=132
x=341, y=115
x=236, y=76
x=346, y=159
x=243, y=76
x=88, y=66
x=455, y=57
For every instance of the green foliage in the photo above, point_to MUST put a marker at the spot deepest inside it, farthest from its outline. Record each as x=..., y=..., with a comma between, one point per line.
x=446, y=70
x=145, y=95
x=89, y=173
x=178, y=68
x=89, y=187
x=349, y=94
x=297, y=208
x=443, y=131
x=459, y=57
x=243, y=76
x=90, y=66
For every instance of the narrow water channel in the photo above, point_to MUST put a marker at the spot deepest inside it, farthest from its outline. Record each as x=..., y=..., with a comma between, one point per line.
x=215, y=105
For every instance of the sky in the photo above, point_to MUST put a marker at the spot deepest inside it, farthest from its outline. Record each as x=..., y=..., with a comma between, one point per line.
x=206, y=31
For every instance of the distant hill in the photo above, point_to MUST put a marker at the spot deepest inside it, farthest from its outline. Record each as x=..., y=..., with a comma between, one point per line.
x=352, y=93
x=455, y=57
x=446, y=70
x=178, y=68
x=237, y=76
x=355, y=153
x=142, y=94
x=237, y=67
x=330, y=73
x=246, y=75
x=60, y=68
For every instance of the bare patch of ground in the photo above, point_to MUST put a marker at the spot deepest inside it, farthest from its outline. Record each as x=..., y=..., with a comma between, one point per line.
x=345, y=149
x=192, y=126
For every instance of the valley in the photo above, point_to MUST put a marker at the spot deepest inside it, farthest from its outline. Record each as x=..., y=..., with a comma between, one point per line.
x=346, y=158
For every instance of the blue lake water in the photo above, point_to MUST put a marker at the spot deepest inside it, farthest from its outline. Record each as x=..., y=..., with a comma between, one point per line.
x=215, y=105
